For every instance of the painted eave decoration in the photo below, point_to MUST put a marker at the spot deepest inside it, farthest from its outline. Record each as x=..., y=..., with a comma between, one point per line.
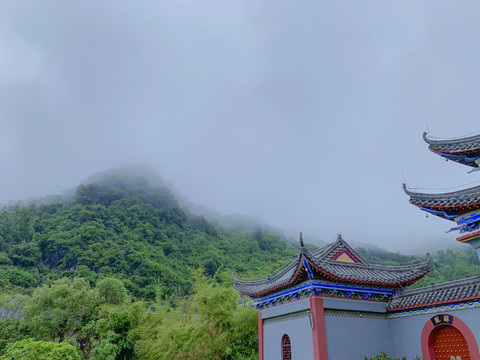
x=462, y=207
x=338, y=263
x=464, y=150
x=448, y=205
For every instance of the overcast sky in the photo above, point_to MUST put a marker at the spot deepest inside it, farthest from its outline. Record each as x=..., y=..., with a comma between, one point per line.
x=306, y=113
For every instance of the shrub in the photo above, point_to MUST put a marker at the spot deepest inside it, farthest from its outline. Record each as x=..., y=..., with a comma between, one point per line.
x=29, y=349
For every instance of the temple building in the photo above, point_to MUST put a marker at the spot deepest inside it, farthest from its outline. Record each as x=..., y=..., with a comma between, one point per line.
x=331, y=304
x=461, y=207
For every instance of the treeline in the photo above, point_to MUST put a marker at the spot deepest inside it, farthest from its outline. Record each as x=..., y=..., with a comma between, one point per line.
x=452, y=265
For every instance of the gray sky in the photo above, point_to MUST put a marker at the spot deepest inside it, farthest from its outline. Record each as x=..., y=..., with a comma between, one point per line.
x=306, y=113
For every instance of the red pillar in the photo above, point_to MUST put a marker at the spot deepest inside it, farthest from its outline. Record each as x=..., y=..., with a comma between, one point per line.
x=260, y=336
x=319, y=331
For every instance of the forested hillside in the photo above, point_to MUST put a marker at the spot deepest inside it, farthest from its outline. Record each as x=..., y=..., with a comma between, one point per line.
x=122, y=263
x=130, y=229
x=120, y=271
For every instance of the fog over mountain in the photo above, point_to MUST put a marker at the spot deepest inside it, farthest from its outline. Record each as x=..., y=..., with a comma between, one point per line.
x=307, y=115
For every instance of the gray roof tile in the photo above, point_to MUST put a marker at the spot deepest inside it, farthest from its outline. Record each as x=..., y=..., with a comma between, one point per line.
x=453, y=199
x=453, y=291
x=456, y=149
x=460, y=145
x=326, y=268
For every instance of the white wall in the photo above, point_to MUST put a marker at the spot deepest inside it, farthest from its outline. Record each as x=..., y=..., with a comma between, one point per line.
x=300, y=333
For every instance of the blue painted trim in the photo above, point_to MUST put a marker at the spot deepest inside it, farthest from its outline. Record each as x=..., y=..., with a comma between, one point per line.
x=462, y=218
x=309, y=270
x=449, y=216
x=459, y=157
x=436, y=309
x=316, y=287
x=469, y=220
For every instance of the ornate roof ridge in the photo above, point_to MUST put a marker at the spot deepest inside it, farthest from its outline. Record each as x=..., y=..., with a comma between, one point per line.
x=472, y=190
x=395, y=268
x=332, y=248
x=448, y=292
x=358, y=272
x=323, y=249
x=436, y=287
x=450, y=141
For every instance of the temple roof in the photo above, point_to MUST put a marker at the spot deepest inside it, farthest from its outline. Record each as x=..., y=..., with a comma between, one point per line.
x=462, y=150
x=336, y=262
x=456, y=202
x=453, y=291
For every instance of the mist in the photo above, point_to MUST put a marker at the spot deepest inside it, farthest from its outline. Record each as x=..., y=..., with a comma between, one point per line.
x=308, y=116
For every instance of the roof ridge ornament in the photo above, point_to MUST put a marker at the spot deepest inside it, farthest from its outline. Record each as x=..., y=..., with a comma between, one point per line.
x=425, y=138
x=302, y=245
x=405, y=189
x=339, y=237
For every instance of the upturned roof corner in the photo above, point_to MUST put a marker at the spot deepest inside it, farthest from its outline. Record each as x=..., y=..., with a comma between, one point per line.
x=336, y=262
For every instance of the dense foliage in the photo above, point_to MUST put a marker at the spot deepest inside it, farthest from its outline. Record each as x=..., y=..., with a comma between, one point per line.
x=72, y=318
x=132, y=230
x=210, y=325
x=120, y=272
x=29, y=349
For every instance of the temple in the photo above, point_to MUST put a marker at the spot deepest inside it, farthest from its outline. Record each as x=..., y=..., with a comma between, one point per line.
x=334, y=270
x=461, y=207
x=331, y=304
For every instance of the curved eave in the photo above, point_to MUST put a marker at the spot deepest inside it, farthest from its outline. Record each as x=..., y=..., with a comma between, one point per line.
x=272, y=284
x=464, y=151
x=383, y=276
x=468, y=141
x=392, y=277
x=445, y=201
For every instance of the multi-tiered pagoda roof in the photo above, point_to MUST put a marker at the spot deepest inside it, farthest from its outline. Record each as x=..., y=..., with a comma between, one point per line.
x=461, y=206
x=462, y=150
x=335, y=267
x=447, y=205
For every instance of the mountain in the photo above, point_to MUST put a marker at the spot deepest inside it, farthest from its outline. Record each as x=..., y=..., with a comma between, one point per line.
x=129, y=224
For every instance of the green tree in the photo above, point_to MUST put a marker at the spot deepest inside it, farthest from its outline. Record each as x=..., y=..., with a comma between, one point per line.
x=209, y=325
x=60, y=310
x=112, y=291
x=113, y=334
x=28, y=349
x=12, y=326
